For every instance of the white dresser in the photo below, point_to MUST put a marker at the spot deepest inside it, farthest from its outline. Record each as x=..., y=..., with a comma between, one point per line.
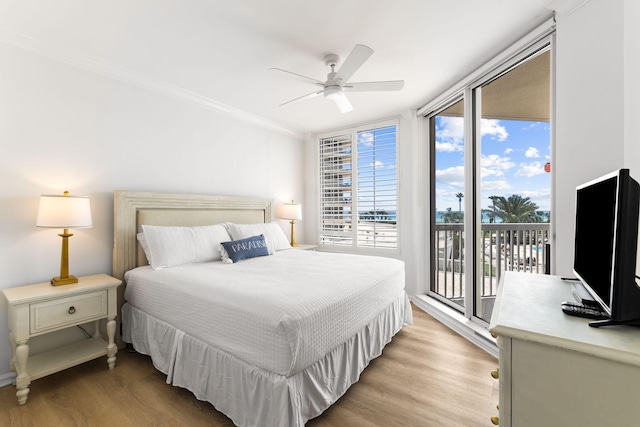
x=556, y=370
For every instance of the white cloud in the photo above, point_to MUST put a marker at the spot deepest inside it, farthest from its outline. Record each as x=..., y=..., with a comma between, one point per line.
x=532, y=152
x=535, y=194
x=508, y=151
x=451, y=128
x=492, y=128
x=494, y=165
x=449, y=147
x=450, y=134
x=453, y=176
x=530, y=169
x=499, y=185
x=366, y=138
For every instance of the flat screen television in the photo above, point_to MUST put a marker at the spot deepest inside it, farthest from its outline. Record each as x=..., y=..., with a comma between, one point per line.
x=606, y=245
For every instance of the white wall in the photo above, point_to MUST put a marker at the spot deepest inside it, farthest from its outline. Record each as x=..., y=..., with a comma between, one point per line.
x=632, y=86
x=632, y=93
x=597, y=95
x=64, y=128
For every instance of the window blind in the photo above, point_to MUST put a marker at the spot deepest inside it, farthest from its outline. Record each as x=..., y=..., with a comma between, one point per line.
x=377, y=188
x=336, y=190
x=358, y=188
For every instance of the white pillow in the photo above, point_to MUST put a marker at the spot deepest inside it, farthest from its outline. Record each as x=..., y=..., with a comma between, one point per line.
x=273, y=234
x=170, y=246
x=144, y=245
x=225, y=256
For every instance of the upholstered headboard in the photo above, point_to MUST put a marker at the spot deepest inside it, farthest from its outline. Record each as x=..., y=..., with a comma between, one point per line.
x=133, y=208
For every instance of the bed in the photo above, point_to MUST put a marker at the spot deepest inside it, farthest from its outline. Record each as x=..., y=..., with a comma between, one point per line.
x=272, y=340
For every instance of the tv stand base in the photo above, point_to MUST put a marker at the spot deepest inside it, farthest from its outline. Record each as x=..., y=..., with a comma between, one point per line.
x=611, y=322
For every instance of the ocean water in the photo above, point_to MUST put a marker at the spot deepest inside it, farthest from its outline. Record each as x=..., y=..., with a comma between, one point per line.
x=485, y=217
x=391, y=216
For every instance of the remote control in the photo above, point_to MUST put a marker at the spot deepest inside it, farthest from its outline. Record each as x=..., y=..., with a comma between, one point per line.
x=581, y=295
x=577, y=309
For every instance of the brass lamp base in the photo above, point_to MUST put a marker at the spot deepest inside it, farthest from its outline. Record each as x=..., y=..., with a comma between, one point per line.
x=64, y=278
x=57, y=281
x=293, y=239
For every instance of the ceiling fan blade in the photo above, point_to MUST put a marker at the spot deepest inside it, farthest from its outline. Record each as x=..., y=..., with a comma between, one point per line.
x=299, y=77
x=374, y=86
x=356, y=58
x=343, y=103
x=307, y=96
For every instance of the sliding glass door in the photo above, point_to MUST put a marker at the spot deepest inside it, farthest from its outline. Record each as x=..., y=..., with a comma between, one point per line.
x=490, y=157
x=446, y=129
x=514, y=186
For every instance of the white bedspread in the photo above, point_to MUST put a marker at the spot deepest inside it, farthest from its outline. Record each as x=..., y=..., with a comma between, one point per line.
x=281, y=313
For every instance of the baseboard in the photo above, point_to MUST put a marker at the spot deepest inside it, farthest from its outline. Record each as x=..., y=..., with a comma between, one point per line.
x=458, y=323
x=7, y=379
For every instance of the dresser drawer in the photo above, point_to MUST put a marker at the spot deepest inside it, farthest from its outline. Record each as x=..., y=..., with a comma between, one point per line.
x=60, y=313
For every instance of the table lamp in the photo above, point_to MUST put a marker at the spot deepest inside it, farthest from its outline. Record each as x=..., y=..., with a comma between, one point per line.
x=292, y=211
x=64, y=212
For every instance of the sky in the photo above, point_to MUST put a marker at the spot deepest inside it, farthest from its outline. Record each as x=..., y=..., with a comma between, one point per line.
x=513, y=155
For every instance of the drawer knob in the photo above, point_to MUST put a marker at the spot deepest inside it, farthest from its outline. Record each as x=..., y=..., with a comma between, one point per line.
x=494, y=335
x=495, y=374
x=72, y=310
x=495, y=421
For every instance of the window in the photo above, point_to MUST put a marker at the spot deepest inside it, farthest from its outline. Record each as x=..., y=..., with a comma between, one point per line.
x=359, y=187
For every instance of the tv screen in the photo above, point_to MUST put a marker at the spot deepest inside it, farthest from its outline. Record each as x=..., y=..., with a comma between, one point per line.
x=606, y=244
x=595, y=234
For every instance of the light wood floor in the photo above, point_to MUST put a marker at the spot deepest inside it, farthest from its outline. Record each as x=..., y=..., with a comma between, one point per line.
x=427, y=376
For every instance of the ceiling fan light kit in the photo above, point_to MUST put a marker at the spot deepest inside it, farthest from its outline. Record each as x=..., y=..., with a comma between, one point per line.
x=333, y=92
x=336, y=84
x=336, y=93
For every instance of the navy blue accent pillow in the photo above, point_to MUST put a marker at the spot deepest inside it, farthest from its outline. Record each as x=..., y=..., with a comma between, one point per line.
x=250, y=247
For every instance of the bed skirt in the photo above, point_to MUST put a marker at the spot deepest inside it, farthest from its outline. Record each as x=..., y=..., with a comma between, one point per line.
x=251, y=396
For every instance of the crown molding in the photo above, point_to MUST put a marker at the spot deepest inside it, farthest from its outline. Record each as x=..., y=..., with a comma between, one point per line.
x=567, y=7
x=98, y=66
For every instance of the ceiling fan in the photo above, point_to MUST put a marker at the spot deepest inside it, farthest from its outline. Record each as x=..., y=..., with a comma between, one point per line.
x=338, y=81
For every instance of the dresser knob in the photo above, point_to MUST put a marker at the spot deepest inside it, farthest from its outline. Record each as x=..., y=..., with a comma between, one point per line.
x=495, y=374
x=494, y=335
x=72, y=310
x=495, y=421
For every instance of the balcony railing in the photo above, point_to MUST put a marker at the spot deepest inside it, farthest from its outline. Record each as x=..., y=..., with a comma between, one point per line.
x=503, y=247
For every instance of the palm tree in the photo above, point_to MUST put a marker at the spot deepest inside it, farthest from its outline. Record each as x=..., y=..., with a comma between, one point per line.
x=452, y=217
x=541, y=216
x=515, y=208
x=492, y=215
x=459, y=196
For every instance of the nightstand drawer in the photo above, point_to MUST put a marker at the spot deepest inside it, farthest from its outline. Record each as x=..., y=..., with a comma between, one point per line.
x=68, y=311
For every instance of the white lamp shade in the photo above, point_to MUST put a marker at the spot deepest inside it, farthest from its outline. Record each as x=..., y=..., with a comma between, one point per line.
x=291, y=211
x=64, y=212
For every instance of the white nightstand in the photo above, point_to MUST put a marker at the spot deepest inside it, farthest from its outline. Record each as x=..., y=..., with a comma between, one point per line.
x=41, y=308
x=303, y=247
